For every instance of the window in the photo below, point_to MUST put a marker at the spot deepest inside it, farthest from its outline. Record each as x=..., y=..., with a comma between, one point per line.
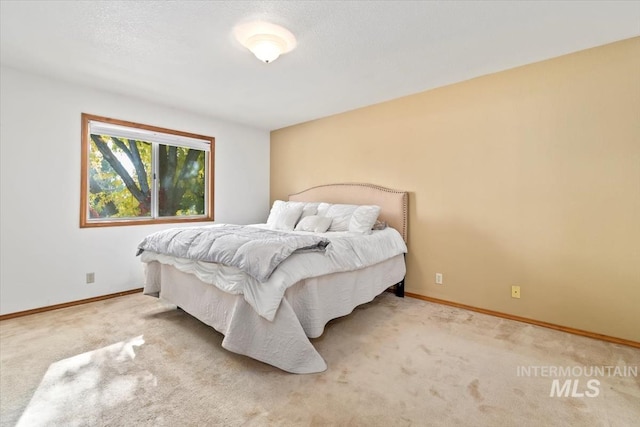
x=138, y=174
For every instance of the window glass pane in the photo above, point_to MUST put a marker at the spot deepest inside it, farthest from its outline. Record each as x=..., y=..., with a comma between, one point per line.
x=119, y=178
x=181, y=180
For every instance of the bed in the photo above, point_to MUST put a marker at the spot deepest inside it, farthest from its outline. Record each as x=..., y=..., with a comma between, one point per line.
x=277, y=332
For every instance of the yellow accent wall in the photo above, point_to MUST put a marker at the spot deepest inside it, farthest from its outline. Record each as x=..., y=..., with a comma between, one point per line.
x=528, y=177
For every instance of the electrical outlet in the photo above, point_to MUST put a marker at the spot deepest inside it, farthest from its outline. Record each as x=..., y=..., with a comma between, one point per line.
x=91, y=277
x=438, y=278
x=515, y=292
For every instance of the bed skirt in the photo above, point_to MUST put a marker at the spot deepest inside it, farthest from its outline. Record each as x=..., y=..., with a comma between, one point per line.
x=303, y=313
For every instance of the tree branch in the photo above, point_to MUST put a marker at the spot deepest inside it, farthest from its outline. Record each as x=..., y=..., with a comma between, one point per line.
x=140, y=170
x=117, y=166
x=134, y=155
x=169, y=178
x=164, y=181
x=172, y=163
x=122, y=146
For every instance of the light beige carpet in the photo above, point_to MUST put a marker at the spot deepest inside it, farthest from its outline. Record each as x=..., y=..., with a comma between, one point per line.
x=134, y=360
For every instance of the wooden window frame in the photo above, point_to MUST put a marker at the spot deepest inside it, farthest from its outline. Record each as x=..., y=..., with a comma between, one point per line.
x=86, y=222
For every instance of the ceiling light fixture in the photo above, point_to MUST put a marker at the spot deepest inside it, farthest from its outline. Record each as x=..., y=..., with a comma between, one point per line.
x=266, y=41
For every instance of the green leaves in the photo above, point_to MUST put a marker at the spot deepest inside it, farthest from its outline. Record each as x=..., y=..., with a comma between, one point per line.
x=119, y=182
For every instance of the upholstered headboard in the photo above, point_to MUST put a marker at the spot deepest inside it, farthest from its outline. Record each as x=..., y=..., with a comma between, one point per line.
x=393, y=203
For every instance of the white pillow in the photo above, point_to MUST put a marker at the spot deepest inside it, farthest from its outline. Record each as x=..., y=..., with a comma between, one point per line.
x=309, y=209
x=277, y=207
x=284, y=215
x=363, y=218
x=340, y=216
x=323, y=208
x=379, y=225
x=315, y=223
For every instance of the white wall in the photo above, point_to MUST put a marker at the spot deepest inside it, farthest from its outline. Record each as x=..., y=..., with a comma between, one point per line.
x=45, y=254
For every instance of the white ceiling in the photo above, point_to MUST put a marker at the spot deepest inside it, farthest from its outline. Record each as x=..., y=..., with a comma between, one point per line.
x=350, y=53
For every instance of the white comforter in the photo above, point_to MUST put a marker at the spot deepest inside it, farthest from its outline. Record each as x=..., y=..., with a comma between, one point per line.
x=348, y=251
x=256, y=251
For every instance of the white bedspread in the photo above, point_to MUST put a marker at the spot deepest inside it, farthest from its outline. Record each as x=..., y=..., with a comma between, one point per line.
x=348, y=251
x=303, y=313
